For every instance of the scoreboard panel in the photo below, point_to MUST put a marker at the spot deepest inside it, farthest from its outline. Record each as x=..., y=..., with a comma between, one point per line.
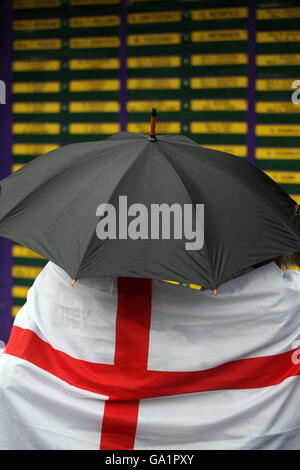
x=85, y=69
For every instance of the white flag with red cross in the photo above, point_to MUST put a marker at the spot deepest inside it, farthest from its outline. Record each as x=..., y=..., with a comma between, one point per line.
x=141, y=364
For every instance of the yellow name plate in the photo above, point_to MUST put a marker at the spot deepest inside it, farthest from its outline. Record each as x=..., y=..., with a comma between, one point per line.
x=153, y=83
x=94, y=107
x=219, y=59
x=296, y=198
x=194, y=286
x=23, y=4
x=219, y=14
x=153, y=39
x=17, y=166
x=270, y=60
x=167, y=105
x=33, y=149
x=150, y=62
x=237, y=150
x=93, y=128
x=219, y=82
x=19, y=251
x=36, y=128
x=218, y=105
x=277, y=153
x=277, y=107
x=220, y=35
x=278, y=36
x=20, y=291
x=93, y=2
x=23, y=25
x=15, y=310
x=36, y=65
x=159, y=17
x=94, y=64
x=94, y=85
x=94, y=42
x=277, y=13
x=38, y=107
x=36, y=87
x=94, y=21
x=161, y=127
x=284, y=177
x=38, y=44
x=278, y=130
x=271, y=84
x=218, y=127
x=26, y=272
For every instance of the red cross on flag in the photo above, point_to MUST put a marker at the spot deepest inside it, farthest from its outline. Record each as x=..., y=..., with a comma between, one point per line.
x=140, y=364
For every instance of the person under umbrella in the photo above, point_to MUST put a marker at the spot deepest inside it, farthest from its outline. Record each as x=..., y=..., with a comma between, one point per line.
x=114, y=364
x=155, y=207
x=121, y=360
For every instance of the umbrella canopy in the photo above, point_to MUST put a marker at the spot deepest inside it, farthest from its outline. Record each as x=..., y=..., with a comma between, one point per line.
x=56, y=205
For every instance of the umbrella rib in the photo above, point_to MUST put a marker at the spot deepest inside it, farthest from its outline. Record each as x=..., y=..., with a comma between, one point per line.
x=51, y=177
x=109, y=199
x=172, y=169
x=262, y=195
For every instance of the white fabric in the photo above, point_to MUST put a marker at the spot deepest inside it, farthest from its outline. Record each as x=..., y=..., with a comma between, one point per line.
x=255, y=315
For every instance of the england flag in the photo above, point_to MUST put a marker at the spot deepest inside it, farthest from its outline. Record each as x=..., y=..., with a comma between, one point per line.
x=140, y=364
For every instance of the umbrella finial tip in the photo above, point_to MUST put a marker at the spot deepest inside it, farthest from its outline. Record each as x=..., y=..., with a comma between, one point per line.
x=152, y=136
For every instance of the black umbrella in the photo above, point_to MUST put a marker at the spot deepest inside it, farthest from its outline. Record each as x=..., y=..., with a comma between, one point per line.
x=177, y=211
